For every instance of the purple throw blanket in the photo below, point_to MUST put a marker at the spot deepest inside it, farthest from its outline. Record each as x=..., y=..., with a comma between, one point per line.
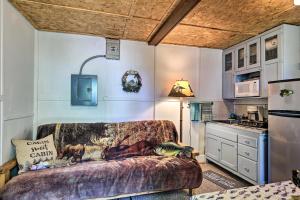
x=106, y=178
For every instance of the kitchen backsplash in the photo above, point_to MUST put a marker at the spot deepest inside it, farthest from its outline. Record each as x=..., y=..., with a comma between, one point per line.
x=222, y=109
x=241, y=107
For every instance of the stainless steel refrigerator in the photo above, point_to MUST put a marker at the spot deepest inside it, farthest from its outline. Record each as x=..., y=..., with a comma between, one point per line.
x=284, y=128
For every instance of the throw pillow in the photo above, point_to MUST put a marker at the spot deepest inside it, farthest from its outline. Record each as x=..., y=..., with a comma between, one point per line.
x=173, y=149
x=32, y=152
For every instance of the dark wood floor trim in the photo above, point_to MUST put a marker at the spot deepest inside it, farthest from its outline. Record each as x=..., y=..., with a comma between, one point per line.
x=181, y=10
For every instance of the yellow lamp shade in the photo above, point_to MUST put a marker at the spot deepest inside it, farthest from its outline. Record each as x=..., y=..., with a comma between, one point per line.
x=181, y=88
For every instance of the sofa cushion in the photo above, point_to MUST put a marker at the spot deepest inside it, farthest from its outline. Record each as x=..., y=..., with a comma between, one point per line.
x=87, y=141
x=106, y=178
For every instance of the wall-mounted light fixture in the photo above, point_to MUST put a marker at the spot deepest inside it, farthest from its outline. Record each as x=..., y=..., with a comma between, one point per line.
x=297, y=2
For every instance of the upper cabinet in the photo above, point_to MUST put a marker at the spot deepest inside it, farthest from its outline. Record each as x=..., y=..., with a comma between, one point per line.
x=228, y=74
x=240, y=58
x=271, y=45
x=271, y=50
x=280, y=55
x=275, y=54
x=228, y=60
x=253, y=53
x=247, y=55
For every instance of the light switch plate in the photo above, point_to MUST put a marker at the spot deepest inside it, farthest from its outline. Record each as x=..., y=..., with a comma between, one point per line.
x=112, y=49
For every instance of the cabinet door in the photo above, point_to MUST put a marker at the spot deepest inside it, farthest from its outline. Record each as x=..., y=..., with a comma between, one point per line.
x=228, y=60
x=269, y=73
x=228, y=154
x=212, y=147
x=271, y=47
x=228, y=85
x=227, y=82
x=240, y=58
x=253, y=54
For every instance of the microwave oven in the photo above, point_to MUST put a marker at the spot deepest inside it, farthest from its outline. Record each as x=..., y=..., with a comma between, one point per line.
x=248, y=88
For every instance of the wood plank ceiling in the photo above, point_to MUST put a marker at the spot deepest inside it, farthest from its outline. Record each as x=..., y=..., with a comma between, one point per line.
x=212, y=23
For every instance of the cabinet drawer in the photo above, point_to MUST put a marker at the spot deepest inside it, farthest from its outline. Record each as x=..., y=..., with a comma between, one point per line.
x=222, y=131
x=249, y=141
x=247, y=168
x=247, y=152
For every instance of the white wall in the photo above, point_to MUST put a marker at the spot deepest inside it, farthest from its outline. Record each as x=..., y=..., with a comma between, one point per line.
x=203, y=69
x=17, y=78
x=60, y=55
x=173, y=62
x=210, y=80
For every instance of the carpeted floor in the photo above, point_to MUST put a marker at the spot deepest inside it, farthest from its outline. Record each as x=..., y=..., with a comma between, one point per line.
x=206, y=186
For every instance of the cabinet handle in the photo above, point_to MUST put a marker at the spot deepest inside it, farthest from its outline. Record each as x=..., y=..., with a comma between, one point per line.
x=219, y=149
x=247, y=170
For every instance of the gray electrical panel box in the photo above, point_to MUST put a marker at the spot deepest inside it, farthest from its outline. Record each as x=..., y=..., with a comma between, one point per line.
x=84, y=90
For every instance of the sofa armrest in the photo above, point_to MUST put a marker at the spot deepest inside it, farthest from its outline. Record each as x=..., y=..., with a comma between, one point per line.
x=5, y=170
x=194, y=153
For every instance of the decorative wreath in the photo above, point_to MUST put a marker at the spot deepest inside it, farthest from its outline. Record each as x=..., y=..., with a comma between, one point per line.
x=131, y=81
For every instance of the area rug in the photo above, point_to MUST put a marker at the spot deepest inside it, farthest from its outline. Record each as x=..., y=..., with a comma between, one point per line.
x=222, y=181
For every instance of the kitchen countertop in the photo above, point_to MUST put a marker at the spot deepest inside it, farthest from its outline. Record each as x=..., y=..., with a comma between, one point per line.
x=241, y=127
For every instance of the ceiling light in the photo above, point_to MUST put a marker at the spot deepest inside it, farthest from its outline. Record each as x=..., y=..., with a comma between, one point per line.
x=297, y=2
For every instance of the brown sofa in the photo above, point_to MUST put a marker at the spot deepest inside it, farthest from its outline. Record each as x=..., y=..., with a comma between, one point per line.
x=130, y=166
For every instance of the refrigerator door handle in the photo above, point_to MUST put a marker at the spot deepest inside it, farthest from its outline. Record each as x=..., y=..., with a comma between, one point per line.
x=285, y=113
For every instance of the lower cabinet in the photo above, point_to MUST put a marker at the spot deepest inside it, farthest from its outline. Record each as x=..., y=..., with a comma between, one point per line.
x=248, y=168
x=240, y=151
x=228, y=154
x=222, y=150
x=213, y=147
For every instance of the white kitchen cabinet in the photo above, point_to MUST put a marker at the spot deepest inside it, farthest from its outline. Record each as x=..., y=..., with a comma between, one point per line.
x=269, y=73
x=228, y=153
x=275, y=53
x=228, y=74
x=253, y=53
x=242, y=151
x=213, y=147
x=280, y=55
x=240, y=57
x=248, y=168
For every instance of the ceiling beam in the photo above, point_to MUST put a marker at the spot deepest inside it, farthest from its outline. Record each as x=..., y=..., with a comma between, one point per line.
x=180, y=11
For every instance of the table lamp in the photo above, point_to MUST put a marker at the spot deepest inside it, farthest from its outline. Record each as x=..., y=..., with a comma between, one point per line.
x=181, y=89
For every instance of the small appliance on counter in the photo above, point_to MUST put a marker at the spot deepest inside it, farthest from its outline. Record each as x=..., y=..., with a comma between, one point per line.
x=252, y=113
